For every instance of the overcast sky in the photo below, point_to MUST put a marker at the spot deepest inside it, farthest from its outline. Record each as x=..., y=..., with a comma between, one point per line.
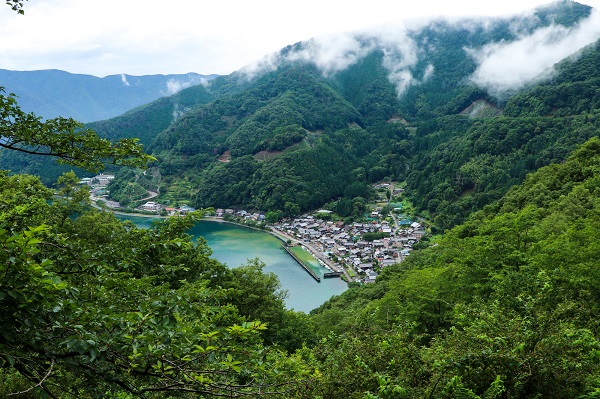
x=142, y=37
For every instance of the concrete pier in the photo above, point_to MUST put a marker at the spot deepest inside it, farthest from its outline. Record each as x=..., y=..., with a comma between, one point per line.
x=306, y=267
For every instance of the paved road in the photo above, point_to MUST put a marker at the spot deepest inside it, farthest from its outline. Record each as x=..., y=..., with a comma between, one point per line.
x=151, y=194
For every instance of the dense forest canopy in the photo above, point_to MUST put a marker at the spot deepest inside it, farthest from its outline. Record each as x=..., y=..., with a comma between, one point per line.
x=503, y=306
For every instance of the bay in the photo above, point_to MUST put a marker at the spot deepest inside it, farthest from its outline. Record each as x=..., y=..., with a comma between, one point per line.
x=233, y=245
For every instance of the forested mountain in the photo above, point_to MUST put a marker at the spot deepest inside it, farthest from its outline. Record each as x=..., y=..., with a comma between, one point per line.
x=147, y=121
x=464, y=164
x=433, y=104
x=87, y=98
x=295, y=136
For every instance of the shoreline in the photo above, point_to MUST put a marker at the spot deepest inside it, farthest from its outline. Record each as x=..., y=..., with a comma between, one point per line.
x=275, y=233
x=143, y=215
x=107, y=209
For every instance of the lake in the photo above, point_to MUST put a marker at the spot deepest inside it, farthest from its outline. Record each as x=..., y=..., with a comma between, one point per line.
x=233, y=245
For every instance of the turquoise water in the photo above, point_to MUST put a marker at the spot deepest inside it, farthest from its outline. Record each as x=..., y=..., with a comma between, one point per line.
x=234, y=245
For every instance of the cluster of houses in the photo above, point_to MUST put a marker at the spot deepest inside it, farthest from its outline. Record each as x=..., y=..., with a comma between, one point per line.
x=98, y=186
x=256, y=216
x=98, y=181
x=152, y=206
x=346, y=246
x=343, y=244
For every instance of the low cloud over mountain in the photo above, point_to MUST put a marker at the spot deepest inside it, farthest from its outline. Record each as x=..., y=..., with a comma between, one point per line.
x=511, y=65
x=500, y=65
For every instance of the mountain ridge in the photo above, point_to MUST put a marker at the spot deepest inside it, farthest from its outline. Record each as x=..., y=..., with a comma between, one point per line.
x=51, y=93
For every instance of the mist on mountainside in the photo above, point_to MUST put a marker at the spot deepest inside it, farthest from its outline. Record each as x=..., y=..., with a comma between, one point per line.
x=524, y=54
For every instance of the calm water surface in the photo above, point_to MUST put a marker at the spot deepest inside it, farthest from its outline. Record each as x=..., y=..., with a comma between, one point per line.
x=234, y=245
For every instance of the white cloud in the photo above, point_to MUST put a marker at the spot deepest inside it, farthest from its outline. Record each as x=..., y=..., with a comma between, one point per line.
x=124, y=80
x=267, y=63
x=511, y=65
x=501, y=66
x=400, y=54
x=106, y=37
x=428, y=73
x=332, y=53
x=174, y=86
x=335, y=53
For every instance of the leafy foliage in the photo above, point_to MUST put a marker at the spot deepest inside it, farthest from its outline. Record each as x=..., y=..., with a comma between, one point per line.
x=93, y=305
x=63, y=138
x=501, y=307
x=16, y=5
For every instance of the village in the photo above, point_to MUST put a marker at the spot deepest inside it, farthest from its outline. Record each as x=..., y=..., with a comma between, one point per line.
x=99, y=195
x=356, y=251
x=343, y=247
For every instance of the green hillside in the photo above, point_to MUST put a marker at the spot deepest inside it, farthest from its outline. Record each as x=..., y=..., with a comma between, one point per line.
x=147, y=121
x=503, y=306
x=299, y=136
x=294, y=139
x=462, y=164
x=144, y=123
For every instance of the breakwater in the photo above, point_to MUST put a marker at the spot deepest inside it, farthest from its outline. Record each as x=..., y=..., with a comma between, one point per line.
x=304, y=265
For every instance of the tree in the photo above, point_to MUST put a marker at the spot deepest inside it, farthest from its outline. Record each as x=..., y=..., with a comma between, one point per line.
x=64, y=139
x=274, y=216
x=91, y=306
x=16, y=5
x=344, y=207
x=291, y=209
x=359, y=207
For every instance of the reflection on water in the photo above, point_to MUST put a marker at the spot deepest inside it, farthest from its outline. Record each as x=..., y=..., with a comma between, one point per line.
x=234, y=245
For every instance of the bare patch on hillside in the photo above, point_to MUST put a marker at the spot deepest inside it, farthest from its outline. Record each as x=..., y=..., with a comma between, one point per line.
x=264, y=155
x=226, y=157
x=398, y=119
x=481, y=109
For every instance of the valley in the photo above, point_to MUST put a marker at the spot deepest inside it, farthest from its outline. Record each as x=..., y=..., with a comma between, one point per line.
x=381, y=233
